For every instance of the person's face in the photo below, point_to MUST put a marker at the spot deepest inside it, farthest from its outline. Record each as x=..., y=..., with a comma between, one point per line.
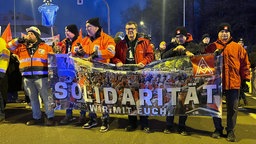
x=69, y=34
x=241, y=43
x=224, y=35
x=206, y=40
x=180, y=39
x=91, y=29
x=131, y=31
x=31, y=38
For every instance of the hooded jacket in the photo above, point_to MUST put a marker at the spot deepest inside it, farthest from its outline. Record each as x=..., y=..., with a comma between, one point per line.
x=236, y=65
x=143, y=51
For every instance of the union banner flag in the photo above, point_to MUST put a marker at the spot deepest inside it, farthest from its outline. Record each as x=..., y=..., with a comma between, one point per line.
x=203, y=65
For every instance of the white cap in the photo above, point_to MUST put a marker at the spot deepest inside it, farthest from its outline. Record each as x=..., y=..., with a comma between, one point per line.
x=34, y=29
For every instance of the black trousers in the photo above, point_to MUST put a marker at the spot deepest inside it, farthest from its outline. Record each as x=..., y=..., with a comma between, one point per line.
x=133, y=121
x=232, y=99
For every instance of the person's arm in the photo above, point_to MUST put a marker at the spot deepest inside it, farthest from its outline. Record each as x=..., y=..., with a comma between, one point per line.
x=149, y=54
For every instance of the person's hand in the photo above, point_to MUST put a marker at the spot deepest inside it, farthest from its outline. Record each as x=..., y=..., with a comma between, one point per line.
x=21, y=40
x=189, y=54
x=120, y=64
x=217, y=52
x=141, y=65
x=79, y=50
x=244, y=86
x=162, y=45
x=179, y=48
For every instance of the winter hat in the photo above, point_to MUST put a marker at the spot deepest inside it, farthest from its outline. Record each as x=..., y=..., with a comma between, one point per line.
x=181, y=30
x=73, y=29
x=205, y=35
x=224, y=26
x=94, y=22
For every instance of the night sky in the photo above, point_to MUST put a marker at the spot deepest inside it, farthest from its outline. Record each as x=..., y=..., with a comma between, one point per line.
x=71, y=13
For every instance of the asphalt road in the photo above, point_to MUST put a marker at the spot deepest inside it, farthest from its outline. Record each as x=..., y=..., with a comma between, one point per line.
x=14, y=131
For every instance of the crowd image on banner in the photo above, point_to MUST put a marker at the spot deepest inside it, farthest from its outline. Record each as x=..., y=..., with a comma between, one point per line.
x=143, y=92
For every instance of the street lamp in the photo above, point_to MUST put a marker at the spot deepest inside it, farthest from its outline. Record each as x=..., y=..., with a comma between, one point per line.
x=14, y=16
x=108, y=15
x=145, y=27
x=184, y=13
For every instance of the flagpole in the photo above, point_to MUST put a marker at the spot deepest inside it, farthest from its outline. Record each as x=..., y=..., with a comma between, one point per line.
x=14, y=17
x=52, y=31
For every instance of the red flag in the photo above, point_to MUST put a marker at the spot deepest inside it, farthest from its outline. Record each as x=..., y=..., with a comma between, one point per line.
x=7, y=34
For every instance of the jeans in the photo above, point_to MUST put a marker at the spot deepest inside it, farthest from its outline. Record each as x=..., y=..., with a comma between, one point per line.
x=33, y=87
x=69, y=112
x=232, y=99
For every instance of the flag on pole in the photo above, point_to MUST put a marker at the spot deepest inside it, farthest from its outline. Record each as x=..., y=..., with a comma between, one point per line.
x=7, y=34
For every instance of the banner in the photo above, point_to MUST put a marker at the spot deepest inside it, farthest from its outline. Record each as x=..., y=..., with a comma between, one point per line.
x=175, y=86
x=51, y=40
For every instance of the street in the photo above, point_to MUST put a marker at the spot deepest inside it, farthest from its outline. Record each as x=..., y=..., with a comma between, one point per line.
x=14, y=131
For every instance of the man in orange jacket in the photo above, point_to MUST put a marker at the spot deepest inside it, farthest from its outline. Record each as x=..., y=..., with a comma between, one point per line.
x=236, y=71
x=97, y=46
x=33, y=57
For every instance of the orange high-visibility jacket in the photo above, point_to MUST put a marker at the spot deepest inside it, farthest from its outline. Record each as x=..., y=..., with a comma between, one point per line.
x=103, y=45
x=34, y=65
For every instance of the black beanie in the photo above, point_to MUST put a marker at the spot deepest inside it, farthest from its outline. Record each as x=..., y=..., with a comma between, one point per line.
x=181, y=30
x=94, y=22
x=73, y=29
x=224, y=26
x=205, y=35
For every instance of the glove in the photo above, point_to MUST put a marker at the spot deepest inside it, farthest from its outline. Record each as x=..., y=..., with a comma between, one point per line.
x=217, y=52
x=21, y=40
x=79, y=50
x=244, y=86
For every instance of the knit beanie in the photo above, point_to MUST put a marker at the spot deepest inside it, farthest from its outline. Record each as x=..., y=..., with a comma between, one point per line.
x=224, y=26
x=94, y=22
x=73, y=29
x=181, y=30
x=205, y=35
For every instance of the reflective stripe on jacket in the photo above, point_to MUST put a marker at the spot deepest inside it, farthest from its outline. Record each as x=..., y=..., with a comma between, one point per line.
x=4, y=57
x=104, y=45
x=34, y=65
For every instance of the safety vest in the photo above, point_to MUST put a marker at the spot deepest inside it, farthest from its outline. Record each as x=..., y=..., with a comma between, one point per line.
x=32, y=65
x=4, y=56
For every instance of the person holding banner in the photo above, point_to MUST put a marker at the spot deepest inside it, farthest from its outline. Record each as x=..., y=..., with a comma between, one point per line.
x=236, y=71
x=96, y=46
x=183, y=45
x=33, y=57
x=4, y=63
x=66, y=46
x=134, y=50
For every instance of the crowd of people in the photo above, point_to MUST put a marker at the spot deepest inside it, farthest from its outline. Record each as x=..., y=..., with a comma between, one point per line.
x=126, y=48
